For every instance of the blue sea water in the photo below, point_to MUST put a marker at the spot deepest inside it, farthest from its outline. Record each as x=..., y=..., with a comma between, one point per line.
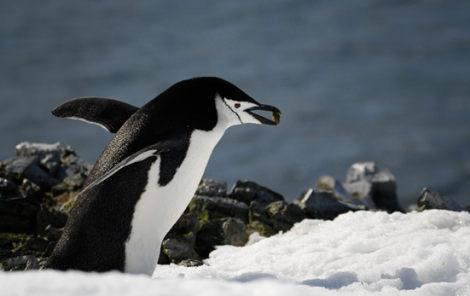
x=387, y=81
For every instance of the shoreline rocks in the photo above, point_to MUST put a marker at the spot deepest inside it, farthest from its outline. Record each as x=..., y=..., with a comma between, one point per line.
x=39, y=185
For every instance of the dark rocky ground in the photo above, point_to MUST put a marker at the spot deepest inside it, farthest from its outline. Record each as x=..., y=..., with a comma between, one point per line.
x=39, y=185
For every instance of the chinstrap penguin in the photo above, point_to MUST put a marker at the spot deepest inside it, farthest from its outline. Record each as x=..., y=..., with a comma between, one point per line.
x=148, y=173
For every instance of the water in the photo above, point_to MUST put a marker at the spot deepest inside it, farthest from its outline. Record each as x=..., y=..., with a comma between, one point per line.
x=356, y=80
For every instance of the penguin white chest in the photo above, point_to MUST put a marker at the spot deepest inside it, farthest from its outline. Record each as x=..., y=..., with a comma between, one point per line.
x=161, y=206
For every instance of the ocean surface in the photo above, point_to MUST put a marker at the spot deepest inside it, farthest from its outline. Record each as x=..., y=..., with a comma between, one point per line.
x=364, y=80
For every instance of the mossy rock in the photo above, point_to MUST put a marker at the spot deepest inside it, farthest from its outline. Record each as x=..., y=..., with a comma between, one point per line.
x=226, y=231
x=260, y=227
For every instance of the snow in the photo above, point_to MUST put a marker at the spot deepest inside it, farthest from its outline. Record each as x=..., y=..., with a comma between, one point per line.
x=362, y=253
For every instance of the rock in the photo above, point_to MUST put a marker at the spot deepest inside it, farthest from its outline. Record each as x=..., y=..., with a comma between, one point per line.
x=430, y=199
x=329, y=183
x=382, y=185
x=48, y=216
x=8, y=188
x=235, y=232
x=163, y=258
x=5, y=243
x=260, y=227
x=72, y=171
x=19, y=168
x=212, y=188
x=17, y=224
x=28, y=262
x=59, y=189
x=18, y=214
x=209, y=208
x=65, y=201
x=72, y=176
x=31, y=190
x=319, y=204
x=52, y=233
x=179, y=243
x=361, y=189
x=25, y=149
x=247, y=191
x=70, y=157
x=48, y=154
x=191, y=263
x=279, y=215
x=36, y=244
x=25, y=214
x=17, y=245
x=4, y=255
x=6, y=247
x=284, y=214
x=186, y=227
x=361, y=171
x=178, y=249
x=47, y=165
x=226, y=231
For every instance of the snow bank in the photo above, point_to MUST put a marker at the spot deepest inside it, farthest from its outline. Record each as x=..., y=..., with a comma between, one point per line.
x=362, y=253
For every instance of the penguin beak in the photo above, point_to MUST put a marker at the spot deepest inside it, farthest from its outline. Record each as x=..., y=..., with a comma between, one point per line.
x=276, y=114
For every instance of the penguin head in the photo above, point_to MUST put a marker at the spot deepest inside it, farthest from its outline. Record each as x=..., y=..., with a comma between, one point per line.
x=233, y=106
x=205, y=103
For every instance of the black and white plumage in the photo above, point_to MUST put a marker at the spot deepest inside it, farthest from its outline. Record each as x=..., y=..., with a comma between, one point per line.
x=148, y=173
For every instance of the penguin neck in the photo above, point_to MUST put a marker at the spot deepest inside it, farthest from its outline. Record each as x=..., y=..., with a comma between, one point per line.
x=205, y=141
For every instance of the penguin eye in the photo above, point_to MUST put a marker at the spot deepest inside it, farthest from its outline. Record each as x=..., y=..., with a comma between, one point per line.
x=237, y=105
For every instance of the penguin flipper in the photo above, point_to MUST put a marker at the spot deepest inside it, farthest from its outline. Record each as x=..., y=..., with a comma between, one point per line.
x=107, y=113
x=154, y=150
